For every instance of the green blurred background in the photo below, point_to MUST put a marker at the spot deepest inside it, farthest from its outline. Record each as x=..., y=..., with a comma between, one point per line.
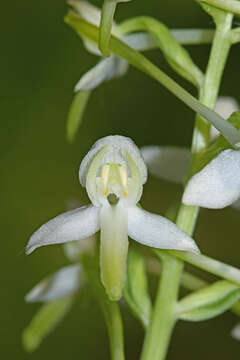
x=41, y=60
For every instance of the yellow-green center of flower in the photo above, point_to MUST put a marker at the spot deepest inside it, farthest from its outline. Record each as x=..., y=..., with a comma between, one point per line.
x=114, y=180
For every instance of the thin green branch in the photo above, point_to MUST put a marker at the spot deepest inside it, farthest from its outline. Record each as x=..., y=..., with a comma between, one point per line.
x=107, y=14
x=163, y=315
x=210, y=265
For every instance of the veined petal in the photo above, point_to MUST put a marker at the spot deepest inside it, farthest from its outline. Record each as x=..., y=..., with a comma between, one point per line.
x=73, y=225
x=157, y=231
x=116, y=146
x=217, y=185
x=105, y=70
x=114, y=248
x=64, y=282
x=167, y=162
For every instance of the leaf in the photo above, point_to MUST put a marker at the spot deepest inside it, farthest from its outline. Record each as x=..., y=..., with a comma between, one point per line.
x=136, y=288
x=177, y=57
x=208, y=302
x=76, y=112
x=45, y=321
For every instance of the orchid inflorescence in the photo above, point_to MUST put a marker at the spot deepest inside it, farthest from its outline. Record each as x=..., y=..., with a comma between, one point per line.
x=108, y=240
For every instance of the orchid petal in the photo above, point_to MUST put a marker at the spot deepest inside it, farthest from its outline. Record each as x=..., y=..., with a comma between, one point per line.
x=73, y=225
x=116, y=145
x=135, y=182
x=167, y=162
x=114, y=248
x=64, y=282
x=157, y=231
x=217, y=185
x=105, y=70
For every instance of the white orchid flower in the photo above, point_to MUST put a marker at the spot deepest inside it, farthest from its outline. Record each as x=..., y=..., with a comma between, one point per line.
x=113, y=173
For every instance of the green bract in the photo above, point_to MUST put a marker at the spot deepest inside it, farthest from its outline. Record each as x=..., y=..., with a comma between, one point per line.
x=208, y=302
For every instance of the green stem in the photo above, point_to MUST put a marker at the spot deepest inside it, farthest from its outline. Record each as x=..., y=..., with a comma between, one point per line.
x=107, y=14
x=115, y=331
x=208, y=95
x=163, y=318
x=162, y=324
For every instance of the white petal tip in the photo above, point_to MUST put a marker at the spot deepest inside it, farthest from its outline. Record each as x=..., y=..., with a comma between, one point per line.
x=192, y=248
x=29, y=250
